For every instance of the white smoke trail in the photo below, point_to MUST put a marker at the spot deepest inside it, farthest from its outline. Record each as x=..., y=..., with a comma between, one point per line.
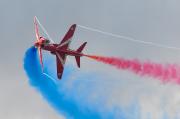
x=129, y=38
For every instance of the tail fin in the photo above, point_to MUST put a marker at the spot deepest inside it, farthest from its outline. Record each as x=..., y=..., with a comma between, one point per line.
x=80, y=50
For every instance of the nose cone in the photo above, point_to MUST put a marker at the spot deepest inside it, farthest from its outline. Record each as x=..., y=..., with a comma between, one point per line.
x=36, y=44
x=42, y=39
x=39, y=42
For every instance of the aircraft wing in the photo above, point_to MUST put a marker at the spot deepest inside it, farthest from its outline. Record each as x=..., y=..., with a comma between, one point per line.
x=60, y=60
x=67, y=38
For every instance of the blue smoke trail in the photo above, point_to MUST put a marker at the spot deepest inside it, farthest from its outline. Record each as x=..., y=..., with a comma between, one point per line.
x=50, y=90
x=72, y=96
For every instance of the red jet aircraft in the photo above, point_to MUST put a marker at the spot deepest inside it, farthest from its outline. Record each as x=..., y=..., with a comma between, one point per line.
x=61, y=50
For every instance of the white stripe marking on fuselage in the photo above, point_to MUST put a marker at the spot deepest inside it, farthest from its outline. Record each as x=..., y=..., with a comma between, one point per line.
x=60, y=58
x=66, y=42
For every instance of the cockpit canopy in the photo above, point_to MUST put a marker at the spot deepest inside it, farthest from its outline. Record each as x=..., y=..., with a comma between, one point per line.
x=47, y=41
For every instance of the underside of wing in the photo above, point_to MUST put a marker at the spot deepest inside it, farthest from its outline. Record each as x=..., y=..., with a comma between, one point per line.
x=60, y=59
x=67, y=38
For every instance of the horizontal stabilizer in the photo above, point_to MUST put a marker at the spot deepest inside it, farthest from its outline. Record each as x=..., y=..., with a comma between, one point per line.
x=78, y=60
x=81, y=47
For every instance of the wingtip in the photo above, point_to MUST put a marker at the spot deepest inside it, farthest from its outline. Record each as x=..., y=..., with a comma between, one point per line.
x=74, y=26
x=59, y=76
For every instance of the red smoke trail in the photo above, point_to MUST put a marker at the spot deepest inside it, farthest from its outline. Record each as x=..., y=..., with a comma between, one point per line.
x=165, y=73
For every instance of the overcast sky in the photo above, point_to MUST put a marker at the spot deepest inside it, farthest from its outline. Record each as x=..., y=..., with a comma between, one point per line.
x=149, y=20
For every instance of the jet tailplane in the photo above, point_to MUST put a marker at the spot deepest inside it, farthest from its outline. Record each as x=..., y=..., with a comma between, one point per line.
x=80, y=50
